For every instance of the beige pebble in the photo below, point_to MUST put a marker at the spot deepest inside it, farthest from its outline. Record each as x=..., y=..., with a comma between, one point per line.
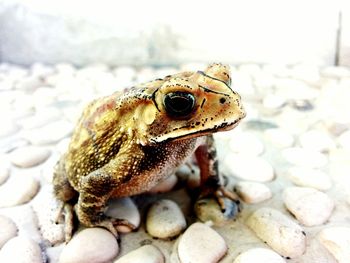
x=252, y=192
x=304, y=157
x=309, y=177
x=8, y=230
x=200, y=243
x=280, y=232
x=91, y=245
x=165, y=185
x=29, y=156
x=255, y=255
x=21, y=250
x=144, y=254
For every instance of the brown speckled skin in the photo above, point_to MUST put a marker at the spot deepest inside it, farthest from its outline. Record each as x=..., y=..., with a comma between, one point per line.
x=125, y=143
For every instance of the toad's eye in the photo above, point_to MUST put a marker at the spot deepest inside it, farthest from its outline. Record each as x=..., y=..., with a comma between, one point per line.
x=179, y=104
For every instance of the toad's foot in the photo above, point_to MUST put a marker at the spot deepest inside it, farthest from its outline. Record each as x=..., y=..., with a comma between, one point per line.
x=68, y=212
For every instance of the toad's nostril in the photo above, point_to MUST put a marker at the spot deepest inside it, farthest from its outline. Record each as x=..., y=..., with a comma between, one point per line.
x=222, y=100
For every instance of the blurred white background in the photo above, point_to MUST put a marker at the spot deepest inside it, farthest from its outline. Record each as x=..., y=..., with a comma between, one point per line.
x=159, y=32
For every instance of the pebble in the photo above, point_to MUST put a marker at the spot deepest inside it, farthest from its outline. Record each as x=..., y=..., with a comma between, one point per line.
x=249, y=168
x=165, y=219
x=309, y=177
x=124, y=208
x=165, y=185
x=337, y=241
x=8, y=230
x=304, y=157
x=144, y=254
x=8, y=127
x=280, y=232
x=18, y=189
x=200, y=243
x=279, y=137
x=246, y=143
x=21, y=250
x=310, y=206
x=4, y=172
x=344, y=140
x=29, y=156
x=252, y=192
x=273, y=102
x=335, y=72
x=316, y=140
x=91, y=245
x=254, y=255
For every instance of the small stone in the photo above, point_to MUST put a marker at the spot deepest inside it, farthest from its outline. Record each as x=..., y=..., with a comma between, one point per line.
x=8, y=127
x=124, y=208
x=144, y=254
x=165, y=185
x=28, y=83
x=273, y=102
x=254, y=255
x=246, y=143
x=8, y=230
x=29, y=156
x=91, y=245
x=281, y=233
x=165, y=219
x=279, y=137
x=316, y=140
x=18, y=189
x=336, y=72
x=200, y=243
x=249, y=168
x=337, y=241
x=310, y=206
x=252, y=192
x=304, y=157
x=308, y=177
x=21, y=250
x=4, y=172
x=344, y=140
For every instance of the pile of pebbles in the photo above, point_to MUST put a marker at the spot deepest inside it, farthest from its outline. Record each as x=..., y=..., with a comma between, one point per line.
x=289, y=162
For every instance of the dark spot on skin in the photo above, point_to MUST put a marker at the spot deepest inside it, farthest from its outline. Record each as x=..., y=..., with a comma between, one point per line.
x=222, y=100
x=198, y=123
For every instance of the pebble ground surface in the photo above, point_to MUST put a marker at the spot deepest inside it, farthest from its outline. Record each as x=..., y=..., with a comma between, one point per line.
x=289, y=161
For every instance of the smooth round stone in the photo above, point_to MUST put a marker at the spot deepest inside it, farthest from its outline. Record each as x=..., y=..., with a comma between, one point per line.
x=8, y=230
x=200, y=243
x=280, y=232
x=165, y=219
x=144, y=254
x=17, y=190
x=336, y=72
x=21, y=250
x=4, y=172
x=273, y=102
x=124, y=208
x=165, y=185
x=252, y=193
x=304, y=157
x=316, y=140
x=310, y=206
x=308, y=177
x=279, y=137
x=249, y=168
x=29, y=156
x=337, y=241
x=8, y=128
x=91, y=245
x=344, y=140
x=254, y=255
x=246, y=143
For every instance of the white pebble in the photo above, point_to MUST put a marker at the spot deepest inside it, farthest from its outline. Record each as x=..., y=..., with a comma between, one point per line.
x=337, y=241
x=124, y=208
x=336, y=72
x=281, y=233
x=165, y=219
x=252, y=192
x=344, y=140
x=304, y=157
x=8, y=230
x=254, y=255
x=4, y=172
x=273, y=102
x=21, y=250
x=249, y=168
x=17, y=190
x=279, y=137
x=165, y=185
x=91, y=245
x=303, y=176
x=144, y=254
x=200, y=243
x=310, y=206
x=29, y=156
x=246, y=143
x=316, y=140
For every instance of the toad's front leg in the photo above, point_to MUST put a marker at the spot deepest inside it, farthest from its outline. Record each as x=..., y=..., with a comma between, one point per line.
x=95, y=190
x=211, y=186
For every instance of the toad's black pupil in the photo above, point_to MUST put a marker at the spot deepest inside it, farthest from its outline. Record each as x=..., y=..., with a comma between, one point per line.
x=179, y=104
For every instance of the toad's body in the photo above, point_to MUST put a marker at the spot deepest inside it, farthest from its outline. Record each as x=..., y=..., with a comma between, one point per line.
x=126, y=143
